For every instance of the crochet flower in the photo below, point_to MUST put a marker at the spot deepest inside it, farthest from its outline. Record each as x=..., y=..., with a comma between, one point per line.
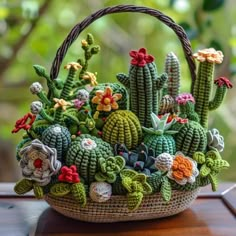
x=83, y=95
x=215, y=140
x=84, y=43
x=184, y=170
x=69, y=174
x=209, y=55
x=91, y=77
x=184, y=98
x=36, y=107
x=105, y=100
x=36, y=88
x=73, y=65
x=222, y=81
x=78, y=103
x=140, y=57
x=22, y=123
x=61, y=103
x=164, y=162
x=39, y=162
x=109, y=168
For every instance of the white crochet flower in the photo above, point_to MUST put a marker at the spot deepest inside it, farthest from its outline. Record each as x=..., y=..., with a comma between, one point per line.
x=215, y=140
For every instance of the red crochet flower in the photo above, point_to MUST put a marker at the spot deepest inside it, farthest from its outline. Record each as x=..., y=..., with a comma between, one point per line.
x=22, y=123
x=69, y=174
x=140, y=57
x=223, y=81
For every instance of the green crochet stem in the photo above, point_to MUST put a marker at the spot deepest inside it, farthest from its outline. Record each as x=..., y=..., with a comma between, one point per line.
x=123, y=127
x=58, y=116
x=191, y=138
x=44, y=98
x=68, y=85
x=172, y=69
x=45, y=116
x=143, y=85
x=219, y=97
x=187, y=111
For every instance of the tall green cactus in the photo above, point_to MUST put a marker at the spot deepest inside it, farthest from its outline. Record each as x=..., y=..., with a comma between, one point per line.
x=172, y=69
x=143, y=85
x=202, y=87
x=123, y=127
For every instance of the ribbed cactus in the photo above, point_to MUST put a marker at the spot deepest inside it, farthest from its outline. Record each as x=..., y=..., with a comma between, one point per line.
x=172, y=69
x=202, y=87
x=123, y=127
x=143, y=84
x=84, y=153
x=59, y=137
x=191, y=138
x=159, y=137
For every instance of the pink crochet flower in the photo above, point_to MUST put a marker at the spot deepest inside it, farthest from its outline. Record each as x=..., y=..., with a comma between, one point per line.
x=140, y=57
x=184, y=98
x=69, y=174
x=223, y=81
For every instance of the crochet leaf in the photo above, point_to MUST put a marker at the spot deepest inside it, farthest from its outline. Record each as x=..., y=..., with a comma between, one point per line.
x=166, y=190
x=100, y=177
x=147, y=189
x=140, y=178
x=128, y=173
x=199, y=157
x=120, y=162
x=214, y=182
x=40, y=70
x=78, y=192
x=23, y=186
x=60, y=189
x=204, y=171
x=111, y=177
x=38, y=191
x=134, y=200
x=220, y=164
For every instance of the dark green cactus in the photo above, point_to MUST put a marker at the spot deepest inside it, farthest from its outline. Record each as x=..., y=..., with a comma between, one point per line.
x=202, y=87
x=84, y=152
x=59, y=137
x=159, y=137
x=117, y=89
x=122, y=127
x=191, y=138
x=143, y=84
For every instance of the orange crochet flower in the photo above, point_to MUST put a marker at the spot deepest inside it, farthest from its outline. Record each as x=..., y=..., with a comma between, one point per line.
x=184, y=169
x=105, y=100
x=209, y=55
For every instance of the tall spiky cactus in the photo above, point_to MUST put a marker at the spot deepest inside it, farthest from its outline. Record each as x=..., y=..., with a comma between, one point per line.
x=143, y=85
x=202, y=87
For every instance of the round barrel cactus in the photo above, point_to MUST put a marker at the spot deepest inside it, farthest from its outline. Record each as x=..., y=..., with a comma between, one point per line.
x=191, y=138
x=84, y=152
x=59, y=137
x=122, y=127
x=117, y=89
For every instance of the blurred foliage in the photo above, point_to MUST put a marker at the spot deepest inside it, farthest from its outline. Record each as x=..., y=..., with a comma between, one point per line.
x=32, y=30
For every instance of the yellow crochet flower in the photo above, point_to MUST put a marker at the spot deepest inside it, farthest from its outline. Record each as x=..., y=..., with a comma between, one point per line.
x=209, y=55
x=61, y=103
x=74, y=65
x=105, y=100
x=92, y=77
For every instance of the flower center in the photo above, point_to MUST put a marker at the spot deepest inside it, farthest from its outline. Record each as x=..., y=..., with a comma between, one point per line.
x=38, y=163
x=107, y=101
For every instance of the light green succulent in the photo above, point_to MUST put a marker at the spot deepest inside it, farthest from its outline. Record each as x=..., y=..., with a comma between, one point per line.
x=109, y=168
x=212, y=164
x=136, y=185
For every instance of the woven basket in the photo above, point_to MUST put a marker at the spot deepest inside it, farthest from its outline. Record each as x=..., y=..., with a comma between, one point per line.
x=173, y=186
x=114, y=210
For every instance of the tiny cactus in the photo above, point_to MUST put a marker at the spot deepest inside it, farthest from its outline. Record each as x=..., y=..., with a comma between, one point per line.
x=159, y=137
x=57, y=136
x=122, y=127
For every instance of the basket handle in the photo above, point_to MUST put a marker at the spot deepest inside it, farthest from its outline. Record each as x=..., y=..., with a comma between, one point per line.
x=77, y=29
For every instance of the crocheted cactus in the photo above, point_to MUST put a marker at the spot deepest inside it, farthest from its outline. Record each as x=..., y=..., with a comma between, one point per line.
x=191, y=138
x=172, y=69
x=59, y=137
x=143, y=84
x=202, y=87
x=116, y=89
x=122, y=127
x=159, y=137
x=84, y=153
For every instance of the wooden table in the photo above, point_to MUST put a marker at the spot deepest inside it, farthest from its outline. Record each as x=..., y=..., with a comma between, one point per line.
x=211, y=214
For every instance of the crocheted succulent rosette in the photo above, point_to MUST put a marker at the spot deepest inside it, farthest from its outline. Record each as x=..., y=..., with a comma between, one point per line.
x=131, y=150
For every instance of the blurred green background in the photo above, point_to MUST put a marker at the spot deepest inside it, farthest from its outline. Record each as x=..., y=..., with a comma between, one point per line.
x=32, y=30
